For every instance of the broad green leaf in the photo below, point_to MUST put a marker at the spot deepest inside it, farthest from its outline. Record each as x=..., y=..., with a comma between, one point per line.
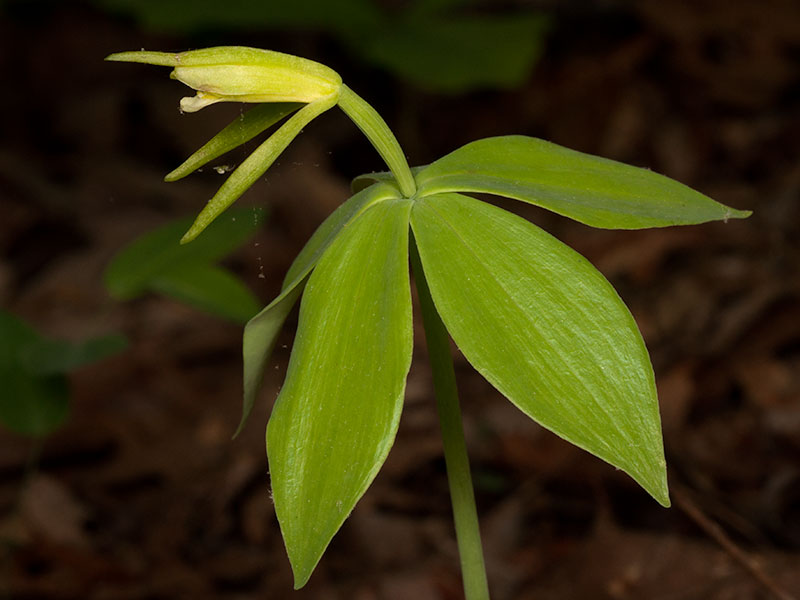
x=135, y=267
x=261, y=331
x=50, y=357
x=209, y=288
x=593, y=190
x=337, y=414
x=30, y=404
x=242, y=130
x=543, y=326
x=255, y=165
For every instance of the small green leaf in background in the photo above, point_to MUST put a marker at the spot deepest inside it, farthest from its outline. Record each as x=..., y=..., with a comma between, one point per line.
x=590, y=189
x=337, y=414
x=157, y=262
x=34, y=399
x=50, y=356
x=455, y=54
x=209, y=288
x=261, y=331
x=543, y=326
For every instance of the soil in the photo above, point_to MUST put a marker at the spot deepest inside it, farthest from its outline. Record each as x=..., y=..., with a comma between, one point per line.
x=143, y=495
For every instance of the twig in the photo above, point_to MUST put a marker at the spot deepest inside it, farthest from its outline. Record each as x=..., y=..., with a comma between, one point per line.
x=715, y=532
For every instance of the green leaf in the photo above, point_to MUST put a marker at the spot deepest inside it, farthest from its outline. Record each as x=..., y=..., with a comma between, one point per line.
x=243, y=129
x=50, y=357
x=543, y=326
x=16, y=336
x=258, y=342
x=455, y=53
x=29, y=404
x=337, y=414
x=593, y=190
x=261, y=331
x=209, y=288
x=133, y=269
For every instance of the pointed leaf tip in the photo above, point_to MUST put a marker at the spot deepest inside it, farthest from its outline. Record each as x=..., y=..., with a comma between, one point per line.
x=192, y=233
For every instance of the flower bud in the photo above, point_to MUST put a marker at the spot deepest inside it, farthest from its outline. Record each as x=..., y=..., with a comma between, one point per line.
x=241, y=74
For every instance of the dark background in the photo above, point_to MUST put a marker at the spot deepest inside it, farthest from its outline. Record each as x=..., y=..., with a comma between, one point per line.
x=142, y=494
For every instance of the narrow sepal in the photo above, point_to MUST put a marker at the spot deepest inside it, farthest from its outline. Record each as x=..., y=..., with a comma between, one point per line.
x=241, y=130
x=255, y=165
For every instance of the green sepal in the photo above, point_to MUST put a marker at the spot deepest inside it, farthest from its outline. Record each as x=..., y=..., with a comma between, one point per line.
x=241, y=130
x=255, y=165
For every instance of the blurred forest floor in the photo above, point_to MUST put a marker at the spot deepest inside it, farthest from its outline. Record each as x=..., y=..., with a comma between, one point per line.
x=143, y=495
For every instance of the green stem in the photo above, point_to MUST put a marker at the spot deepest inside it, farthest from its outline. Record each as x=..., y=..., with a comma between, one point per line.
x=465, y=514
x=378, y=133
